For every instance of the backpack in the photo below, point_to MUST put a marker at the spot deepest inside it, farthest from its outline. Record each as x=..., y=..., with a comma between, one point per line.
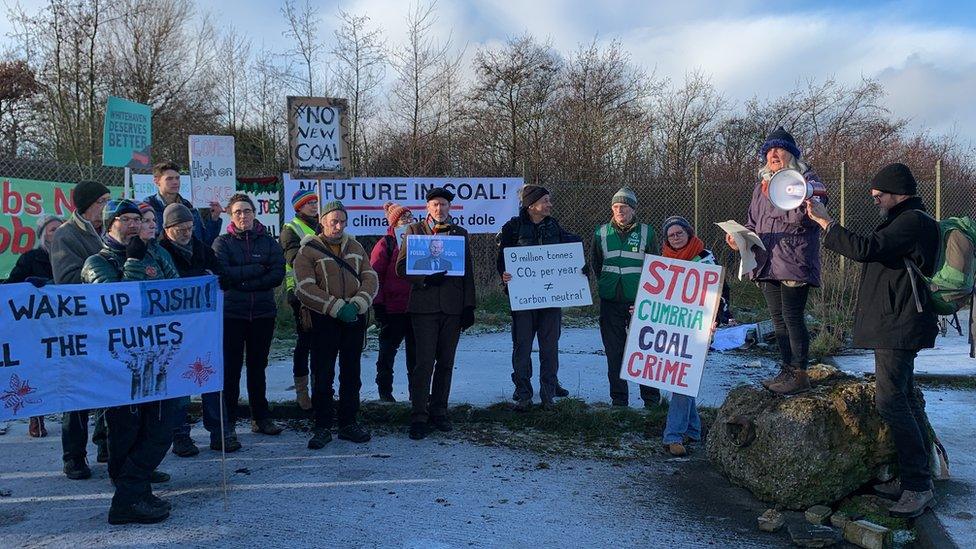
x=951, y=286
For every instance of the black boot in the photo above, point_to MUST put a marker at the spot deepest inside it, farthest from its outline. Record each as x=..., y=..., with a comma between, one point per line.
x=183, y=446
x=320, y=437
x=419, y=430
x=77, y=469
x=140, y=512
x=354, y=432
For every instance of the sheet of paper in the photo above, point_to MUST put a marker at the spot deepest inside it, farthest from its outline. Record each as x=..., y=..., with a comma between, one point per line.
x=744, y=239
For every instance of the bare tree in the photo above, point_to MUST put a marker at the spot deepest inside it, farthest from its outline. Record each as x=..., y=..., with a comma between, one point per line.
x=303, y=27
x=232, y=79
x=17, y=87
x=686, y=124
x=361, y=58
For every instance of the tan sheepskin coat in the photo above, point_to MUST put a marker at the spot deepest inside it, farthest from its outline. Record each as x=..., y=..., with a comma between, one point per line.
x=324, y=286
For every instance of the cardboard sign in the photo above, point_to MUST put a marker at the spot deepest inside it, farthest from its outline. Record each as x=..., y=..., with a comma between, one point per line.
x=318, y=138
x=127, y=134
x=429, y=254
x=213, y=169
x=84, y=346
x=547, y=276
x=25, y=201
x=267, y=211
x=669, y=332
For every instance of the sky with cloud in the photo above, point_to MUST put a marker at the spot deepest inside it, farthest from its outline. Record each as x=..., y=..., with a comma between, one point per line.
x=924, y=53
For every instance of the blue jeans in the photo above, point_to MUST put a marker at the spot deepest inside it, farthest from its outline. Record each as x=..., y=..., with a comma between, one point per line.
x=683, y=420
x=210, y=408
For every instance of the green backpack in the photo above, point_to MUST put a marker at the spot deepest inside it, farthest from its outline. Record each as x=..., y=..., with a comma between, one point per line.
x=951, y=287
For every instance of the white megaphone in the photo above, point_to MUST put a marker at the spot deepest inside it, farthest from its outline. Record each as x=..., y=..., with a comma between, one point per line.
x=788, y=189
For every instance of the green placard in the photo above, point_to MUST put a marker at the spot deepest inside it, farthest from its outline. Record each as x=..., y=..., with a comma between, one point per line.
x=128, y=134
x=24, y=202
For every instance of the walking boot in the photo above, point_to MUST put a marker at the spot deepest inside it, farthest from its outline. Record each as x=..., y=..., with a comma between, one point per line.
x=442, y=424
x=561, y=392
x=77, y=469
x=159, y=477
x=785, y=372
x=889, y=490
x=419, y=430
x=354, y=432
x=159, y=502
x=320, y=437
x=524, y=405
x=301, y=392
x=798, y=382
x=676, y=449
x=912, y=504
x=265, y=426
x=387, y=396
x=183, y=446
x=230, y=443
x=140, y=512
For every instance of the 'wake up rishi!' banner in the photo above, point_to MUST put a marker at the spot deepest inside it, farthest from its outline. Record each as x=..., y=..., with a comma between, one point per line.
x=671, y=327
x=82, y=346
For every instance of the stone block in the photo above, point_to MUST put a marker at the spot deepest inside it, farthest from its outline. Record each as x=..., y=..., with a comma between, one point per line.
x=818, y=514
x=868, y=535
x=771, y=521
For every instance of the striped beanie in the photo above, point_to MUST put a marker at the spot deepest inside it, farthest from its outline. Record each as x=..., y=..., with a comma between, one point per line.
x=302, y=197
x=145, y=207
x=394, y=212
x=625, y=196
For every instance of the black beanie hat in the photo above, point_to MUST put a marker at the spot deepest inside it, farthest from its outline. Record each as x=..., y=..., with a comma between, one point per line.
x=532, y=193
x=779, y=138
x=895, y=179
x=86, y=193
x=440, y=192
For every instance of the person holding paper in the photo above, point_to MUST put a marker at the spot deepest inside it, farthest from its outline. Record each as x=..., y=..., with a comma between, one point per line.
x=166, y=176
x=789, y=266
x=390, y=305
x=194, y=258
x=306, y=205
x=894, y=318
x=251, y=267
x=138, y=435
x=534, y=226
x=618, y=254
x=440, y=308
x=336, y=283
x=72, y=244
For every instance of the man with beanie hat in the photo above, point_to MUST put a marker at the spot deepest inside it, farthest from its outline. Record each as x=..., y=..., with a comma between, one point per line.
x=617, y=256
x=305, y=223
x=73, y=243
x=138, y=435
x=390, y=304
x=192, y=257
x=533, y=226
x=166, y=176
x=893, y=316
x=440, y=308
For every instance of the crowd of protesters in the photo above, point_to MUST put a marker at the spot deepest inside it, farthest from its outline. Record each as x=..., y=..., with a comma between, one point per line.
x=333, y=286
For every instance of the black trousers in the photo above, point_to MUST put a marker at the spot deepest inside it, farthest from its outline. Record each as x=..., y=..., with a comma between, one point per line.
x=437, y=336
x=303, y=343
x=786, y=306
x=526, y=325
x=253, y=337
x=139, y=437
x=614, y=320
x=331, y=339
x=74, y=433
x=394, y=328
x=904, y=411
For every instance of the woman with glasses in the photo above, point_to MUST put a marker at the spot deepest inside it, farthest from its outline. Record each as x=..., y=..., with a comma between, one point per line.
x=251, y=265
x=790, y=264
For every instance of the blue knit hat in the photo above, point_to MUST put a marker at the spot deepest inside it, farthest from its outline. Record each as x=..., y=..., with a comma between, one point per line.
x=779, y=138
x=302, y=197
x=116, y=207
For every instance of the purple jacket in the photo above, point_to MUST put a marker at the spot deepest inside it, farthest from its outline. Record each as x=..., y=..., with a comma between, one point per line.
x=791, y=238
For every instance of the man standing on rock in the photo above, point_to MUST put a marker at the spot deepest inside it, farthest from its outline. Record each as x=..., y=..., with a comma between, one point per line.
x=618, y=258
x=534, y=226
x=440, y=307
x=894, y=318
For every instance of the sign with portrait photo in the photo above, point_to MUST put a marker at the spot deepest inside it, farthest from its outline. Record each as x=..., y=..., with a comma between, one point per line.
x=429, y=254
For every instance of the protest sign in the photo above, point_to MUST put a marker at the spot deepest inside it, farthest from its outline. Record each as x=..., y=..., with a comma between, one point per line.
x=547, y=276
x=291, y=187
x=24, y=202
x=267, y=210
x=669, y=332
x=127, y=134
x=213, y=170
x=143, y=187
x=318, y=138
x=481, y=205
x=83, y=346
x=429, y=254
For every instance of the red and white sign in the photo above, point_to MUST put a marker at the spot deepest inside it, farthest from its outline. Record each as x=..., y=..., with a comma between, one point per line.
x=672, y=322
x=213, y=170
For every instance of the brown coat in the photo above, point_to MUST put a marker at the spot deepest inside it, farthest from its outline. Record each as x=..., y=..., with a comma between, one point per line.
x=324, y=286
x=451, y=297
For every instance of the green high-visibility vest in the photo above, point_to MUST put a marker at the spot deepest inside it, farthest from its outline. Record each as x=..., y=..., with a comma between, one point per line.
x=623, y=259
x=300, y=229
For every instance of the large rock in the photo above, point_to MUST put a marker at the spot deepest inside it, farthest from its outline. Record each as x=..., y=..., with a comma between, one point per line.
x=803, y=450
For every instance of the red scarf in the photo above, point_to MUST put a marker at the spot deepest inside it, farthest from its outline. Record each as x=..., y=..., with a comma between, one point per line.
x=691, y=250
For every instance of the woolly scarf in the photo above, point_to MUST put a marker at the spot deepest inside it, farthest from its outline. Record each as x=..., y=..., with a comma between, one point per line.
x=438, y=227
x=624, y=229
x=185, y=251
x=691, y=250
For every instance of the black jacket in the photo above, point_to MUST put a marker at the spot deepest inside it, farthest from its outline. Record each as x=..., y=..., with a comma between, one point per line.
x=36, y=262
x=201, y=262
x=251, y=265
x=521, y=231
x=886, y=317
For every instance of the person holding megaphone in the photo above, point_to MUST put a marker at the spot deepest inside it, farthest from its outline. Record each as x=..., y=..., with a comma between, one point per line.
x=790, y=265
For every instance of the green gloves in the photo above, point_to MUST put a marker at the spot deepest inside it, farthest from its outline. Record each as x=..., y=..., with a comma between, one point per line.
x=348, y=313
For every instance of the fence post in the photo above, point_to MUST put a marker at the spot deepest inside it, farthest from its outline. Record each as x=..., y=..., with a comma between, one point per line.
x=843, y=210
x=695, y=179
x=938, y=190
